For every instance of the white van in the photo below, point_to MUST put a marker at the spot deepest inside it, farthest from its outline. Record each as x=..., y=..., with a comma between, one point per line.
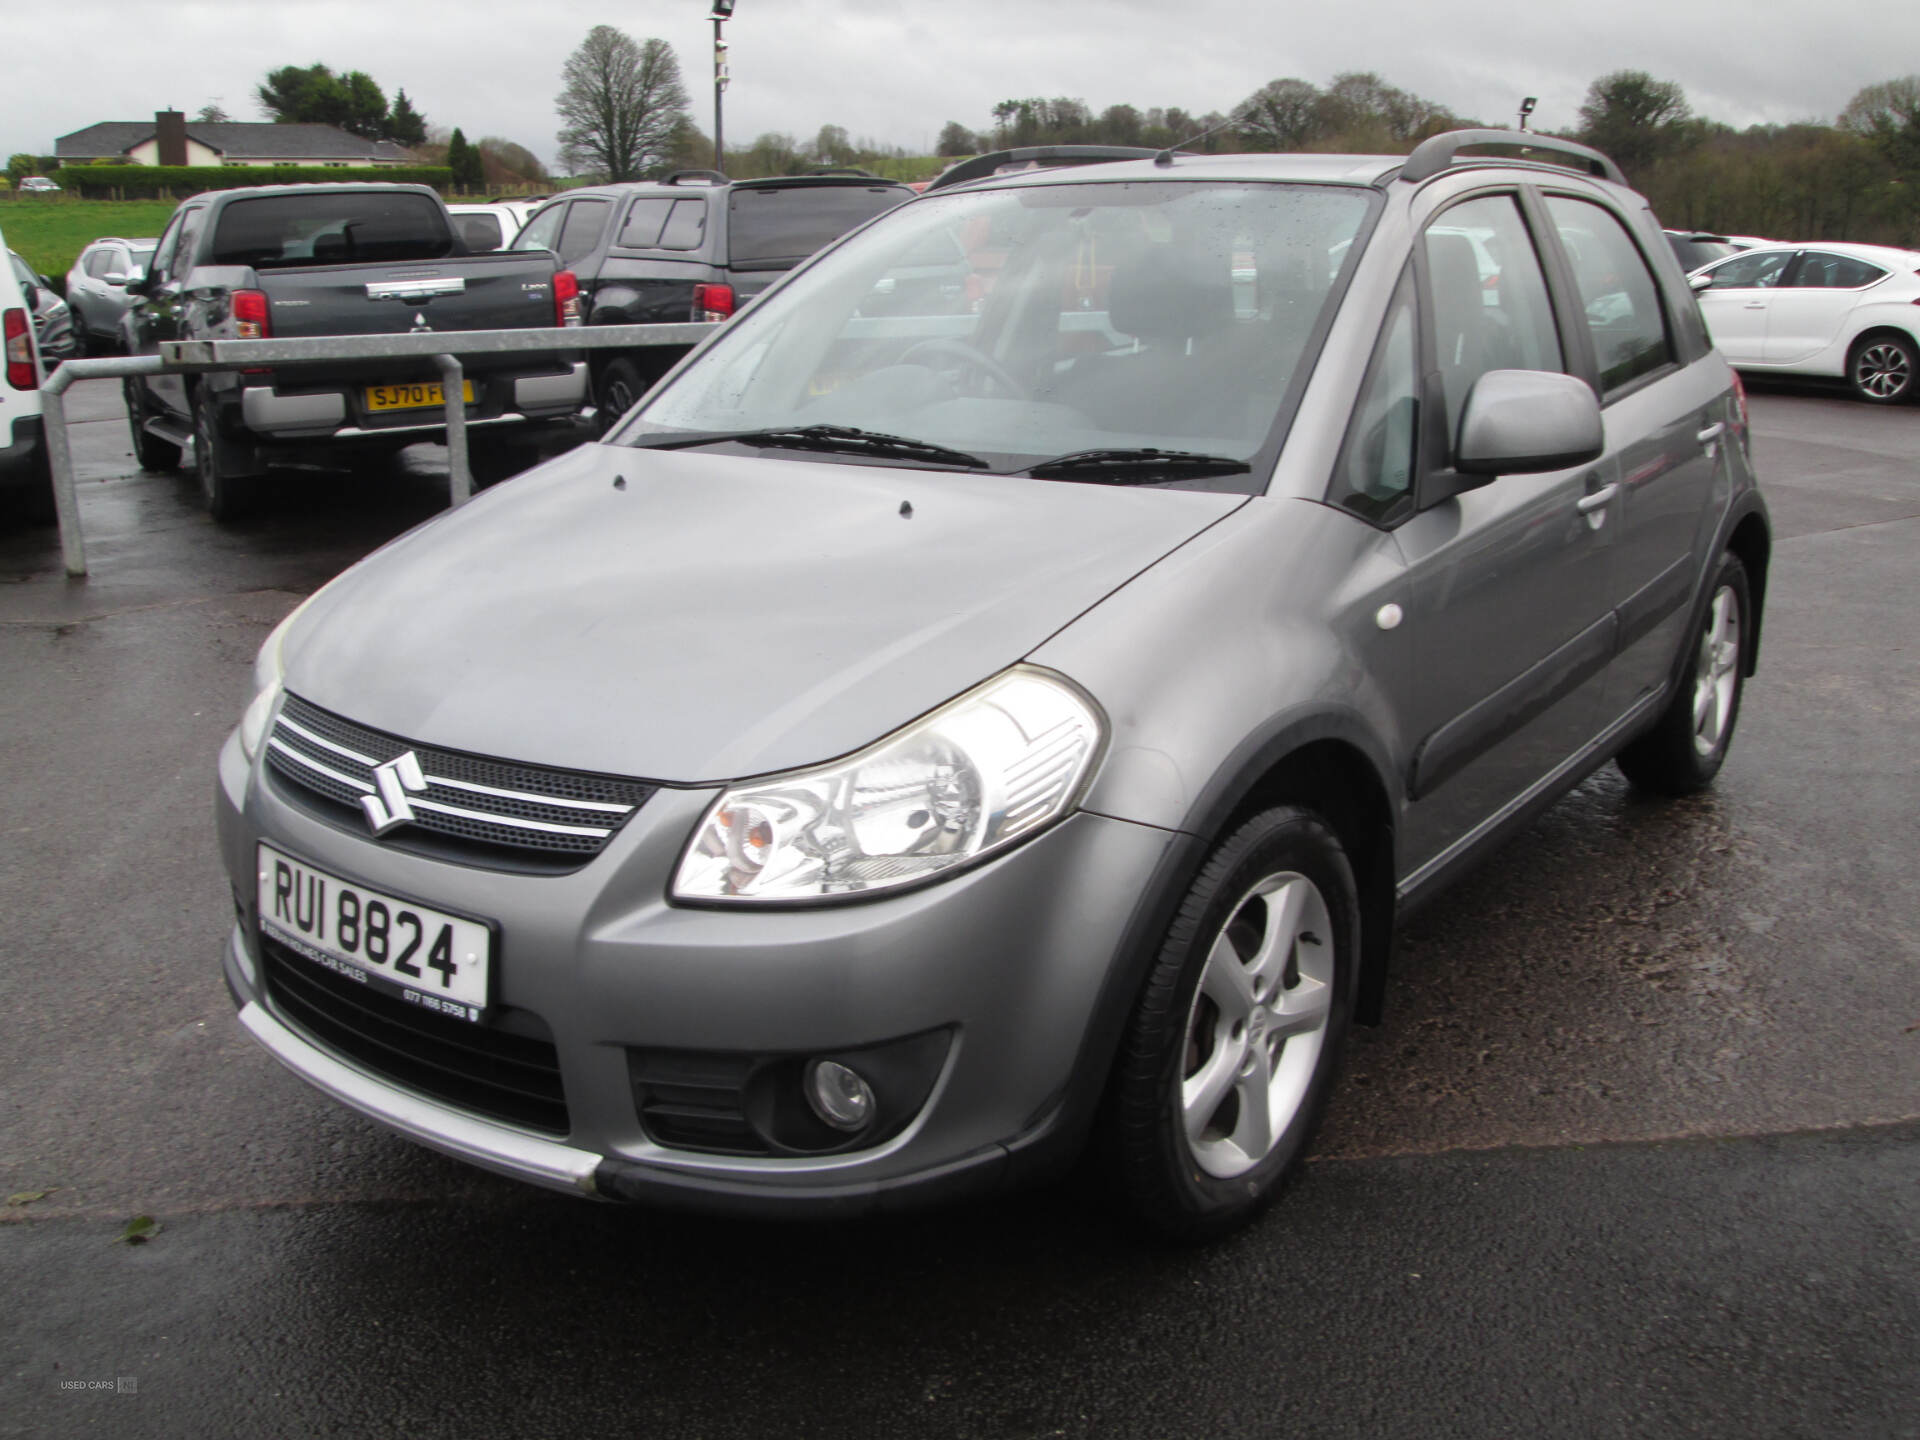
x=23, y=446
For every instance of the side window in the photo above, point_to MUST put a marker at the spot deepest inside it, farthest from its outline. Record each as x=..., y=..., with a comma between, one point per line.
x=1819, y=270
x=686, y=226
x=1620, y=296
x=99, y=263
x=1757, y=271
x=182, y=260
x=163, y=252
x=585, y=221
x=543, y=230
x=644, y=219
x=1488, y=297
x=1374, y=478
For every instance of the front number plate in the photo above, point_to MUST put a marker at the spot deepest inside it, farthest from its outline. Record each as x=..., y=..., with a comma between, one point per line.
x=427, y=957
x=413, y=397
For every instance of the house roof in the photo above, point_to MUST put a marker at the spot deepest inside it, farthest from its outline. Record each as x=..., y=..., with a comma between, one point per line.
x=236, y=140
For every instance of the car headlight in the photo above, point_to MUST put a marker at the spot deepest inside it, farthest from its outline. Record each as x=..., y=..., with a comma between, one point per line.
x=268, y=668
x=972, y=778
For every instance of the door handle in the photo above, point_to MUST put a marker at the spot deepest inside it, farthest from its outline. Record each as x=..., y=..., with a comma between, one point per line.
x=1712, y=433
x=1755, y=305
x=1587, y=504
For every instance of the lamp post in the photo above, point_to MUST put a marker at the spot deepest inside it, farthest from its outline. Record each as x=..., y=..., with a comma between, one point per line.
x=1526, y=109
x=722, y=12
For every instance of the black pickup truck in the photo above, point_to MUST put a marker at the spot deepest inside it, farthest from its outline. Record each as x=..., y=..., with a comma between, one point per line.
x=308, y=260
x=694, y=246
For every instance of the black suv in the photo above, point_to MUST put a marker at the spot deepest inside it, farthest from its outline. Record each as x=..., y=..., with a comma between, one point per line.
x=694, y=246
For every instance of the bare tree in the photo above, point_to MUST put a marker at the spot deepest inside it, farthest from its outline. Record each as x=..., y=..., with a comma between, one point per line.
x=622, y=103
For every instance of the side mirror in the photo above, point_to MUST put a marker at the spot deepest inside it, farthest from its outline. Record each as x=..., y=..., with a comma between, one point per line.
x=1700, y=282
x=137, y=284
x=1522, y=422
x=116, y=277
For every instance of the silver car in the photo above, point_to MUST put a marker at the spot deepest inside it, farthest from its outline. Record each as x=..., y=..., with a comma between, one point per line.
x=97, y=289
x=918, y=739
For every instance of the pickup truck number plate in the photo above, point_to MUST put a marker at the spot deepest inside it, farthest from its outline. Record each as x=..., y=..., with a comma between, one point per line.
x=412, y=397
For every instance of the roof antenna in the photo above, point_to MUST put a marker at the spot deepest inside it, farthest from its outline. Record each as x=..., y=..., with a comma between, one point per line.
x=1165, y=157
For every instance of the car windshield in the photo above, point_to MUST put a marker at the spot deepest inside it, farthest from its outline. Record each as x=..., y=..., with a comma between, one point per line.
x=1027, y=324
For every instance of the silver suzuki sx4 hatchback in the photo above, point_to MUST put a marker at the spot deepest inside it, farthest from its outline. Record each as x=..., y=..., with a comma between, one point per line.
x=1004, y=687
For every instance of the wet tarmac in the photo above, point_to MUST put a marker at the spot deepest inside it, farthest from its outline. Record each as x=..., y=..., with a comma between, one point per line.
x=1739, y=968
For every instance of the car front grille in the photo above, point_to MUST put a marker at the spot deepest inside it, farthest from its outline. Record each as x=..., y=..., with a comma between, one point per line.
x=465, y=807
x=481, y=1068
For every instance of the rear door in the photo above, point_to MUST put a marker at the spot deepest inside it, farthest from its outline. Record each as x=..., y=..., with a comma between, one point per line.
x=1813, y=303
x=1665, y=401
x=160, y=314
x=1511, y=583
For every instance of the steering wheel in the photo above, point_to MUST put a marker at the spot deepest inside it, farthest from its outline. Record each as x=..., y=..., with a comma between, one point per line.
x=974, y=359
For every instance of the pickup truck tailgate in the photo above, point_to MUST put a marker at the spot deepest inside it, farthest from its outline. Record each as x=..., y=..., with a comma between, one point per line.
x=504, y=290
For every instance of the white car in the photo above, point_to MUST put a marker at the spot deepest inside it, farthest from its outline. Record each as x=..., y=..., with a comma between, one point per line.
x=24, y=477
x=1851, y=312
x=38, y=185
x=490, y=226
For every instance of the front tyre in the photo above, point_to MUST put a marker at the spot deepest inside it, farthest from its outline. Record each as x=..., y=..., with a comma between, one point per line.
x=1688, y=744
x=1233, y=1044
x=149, y=449
x=1884, y=370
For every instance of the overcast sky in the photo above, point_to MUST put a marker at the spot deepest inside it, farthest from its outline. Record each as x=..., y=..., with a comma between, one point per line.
x=896, y=70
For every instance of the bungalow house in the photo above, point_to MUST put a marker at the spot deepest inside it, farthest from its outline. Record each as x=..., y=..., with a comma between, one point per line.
x=171, y=139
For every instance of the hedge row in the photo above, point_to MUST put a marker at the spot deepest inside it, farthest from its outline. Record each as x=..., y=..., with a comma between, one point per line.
x=128, y=182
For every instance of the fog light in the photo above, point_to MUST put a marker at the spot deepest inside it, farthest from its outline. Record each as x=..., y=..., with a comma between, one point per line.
x=838, y=1095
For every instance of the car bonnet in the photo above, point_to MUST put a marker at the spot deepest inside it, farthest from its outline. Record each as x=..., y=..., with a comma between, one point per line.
x=690, y=617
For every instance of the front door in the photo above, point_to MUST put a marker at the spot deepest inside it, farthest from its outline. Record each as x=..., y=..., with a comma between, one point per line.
x=1736, y=303
x=1510, y=585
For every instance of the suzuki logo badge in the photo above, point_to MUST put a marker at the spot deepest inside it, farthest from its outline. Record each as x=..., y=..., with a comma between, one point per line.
x=394, y=780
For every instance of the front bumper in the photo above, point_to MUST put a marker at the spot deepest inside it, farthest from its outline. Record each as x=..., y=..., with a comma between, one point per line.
x=1011, y=957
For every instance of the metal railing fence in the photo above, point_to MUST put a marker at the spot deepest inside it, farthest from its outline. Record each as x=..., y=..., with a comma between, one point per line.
x=444, y=348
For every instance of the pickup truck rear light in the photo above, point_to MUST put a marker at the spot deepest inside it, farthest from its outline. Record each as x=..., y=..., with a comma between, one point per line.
x=250, y=318
x=566, y=298
x=712, y=302
x=22, y=373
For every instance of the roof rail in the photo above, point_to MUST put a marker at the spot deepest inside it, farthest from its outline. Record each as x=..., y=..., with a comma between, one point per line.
x=841, y=170
x=711, y=177
x=1035, y=156
x=1430, y=157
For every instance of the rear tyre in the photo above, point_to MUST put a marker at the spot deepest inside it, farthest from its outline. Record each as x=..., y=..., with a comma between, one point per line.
x=1688, y=744
x=1884, y=370
x=149, y=449
x=36, y=505
x=229, y=495
x=1233, y=1044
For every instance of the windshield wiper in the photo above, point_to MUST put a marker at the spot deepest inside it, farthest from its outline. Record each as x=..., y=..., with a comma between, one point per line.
x=1136, y=467
x=843, y=439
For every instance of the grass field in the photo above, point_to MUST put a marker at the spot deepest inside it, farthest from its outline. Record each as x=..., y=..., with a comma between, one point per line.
x=49, y=233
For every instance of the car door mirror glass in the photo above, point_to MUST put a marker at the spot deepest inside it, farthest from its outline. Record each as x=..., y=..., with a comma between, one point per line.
x=1519, y=422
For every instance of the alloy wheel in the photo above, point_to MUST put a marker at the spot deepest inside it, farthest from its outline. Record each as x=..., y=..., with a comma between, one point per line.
x=1883, y=370
x=1257, y=1024
x=1716, y=673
